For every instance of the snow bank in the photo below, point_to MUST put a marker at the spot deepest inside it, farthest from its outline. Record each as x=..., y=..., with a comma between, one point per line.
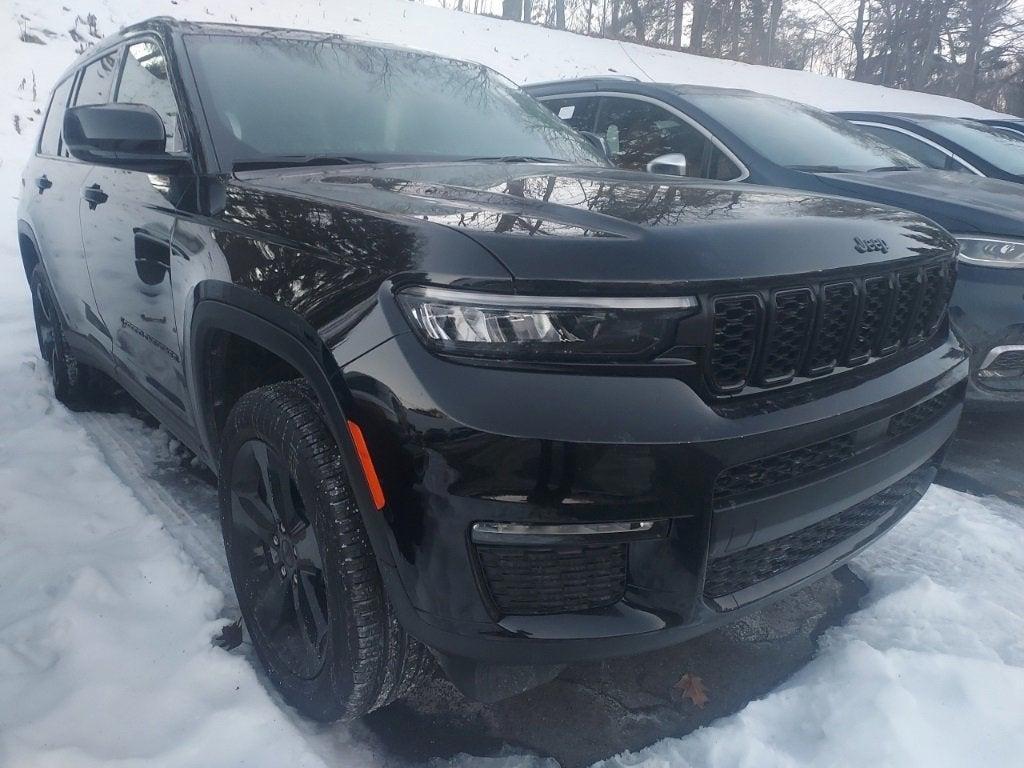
x=930, y=672
x=523, y=52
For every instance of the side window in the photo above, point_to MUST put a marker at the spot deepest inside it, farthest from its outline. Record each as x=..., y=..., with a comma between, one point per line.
x=931, y=156
x=577, y=111
x=96, y=81
x=145, y=81
x=638, y=131
x=49, y=141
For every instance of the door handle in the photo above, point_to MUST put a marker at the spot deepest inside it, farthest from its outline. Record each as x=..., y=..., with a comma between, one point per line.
x=94, y=195
x=43, y=184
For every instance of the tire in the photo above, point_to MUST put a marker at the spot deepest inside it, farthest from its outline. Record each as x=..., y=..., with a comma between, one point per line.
x=302, y=565
x=72, y=380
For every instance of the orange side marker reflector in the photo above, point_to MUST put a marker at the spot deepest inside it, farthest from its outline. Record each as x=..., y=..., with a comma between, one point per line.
x=376, y=491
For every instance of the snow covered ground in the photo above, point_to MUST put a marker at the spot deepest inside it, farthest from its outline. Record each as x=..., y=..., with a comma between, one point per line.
x=111, y=588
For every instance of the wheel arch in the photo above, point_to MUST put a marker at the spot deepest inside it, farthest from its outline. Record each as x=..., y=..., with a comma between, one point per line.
x=220, y=308
x=28, y=245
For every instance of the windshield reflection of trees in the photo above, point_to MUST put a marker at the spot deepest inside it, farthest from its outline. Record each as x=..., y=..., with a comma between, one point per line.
x=389, y=89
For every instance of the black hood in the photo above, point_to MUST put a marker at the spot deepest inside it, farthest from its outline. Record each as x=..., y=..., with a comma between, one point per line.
x=554, y=223
x=961, y=202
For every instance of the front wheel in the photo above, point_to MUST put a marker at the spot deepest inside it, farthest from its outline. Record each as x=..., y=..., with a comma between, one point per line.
x=302, y=566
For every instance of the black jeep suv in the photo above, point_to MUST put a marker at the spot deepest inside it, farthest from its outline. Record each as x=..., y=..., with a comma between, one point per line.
x=465, y=386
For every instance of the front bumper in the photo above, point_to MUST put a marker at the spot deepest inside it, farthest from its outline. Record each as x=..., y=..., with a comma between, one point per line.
x=457, y=445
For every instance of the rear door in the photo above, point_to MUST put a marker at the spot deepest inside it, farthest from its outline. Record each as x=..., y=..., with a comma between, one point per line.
x=128, y=219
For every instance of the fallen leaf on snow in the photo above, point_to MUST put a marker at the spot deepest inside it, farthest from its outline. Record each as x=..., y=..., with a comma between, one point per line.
x=692, y=687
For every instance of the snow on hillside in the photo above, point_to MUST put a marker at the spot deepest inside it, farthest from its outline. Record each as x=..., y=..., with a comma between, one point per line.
x=522, y=52
x=105, y=622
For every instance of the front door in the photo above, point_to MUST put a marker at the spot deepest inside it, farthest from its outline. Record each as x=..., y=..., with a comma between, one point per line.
x=128, y=220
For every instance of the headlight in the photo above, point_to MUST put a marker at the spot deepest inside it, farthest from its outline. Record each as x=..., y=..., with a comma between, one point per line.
x=991, y=251
x=539, y=328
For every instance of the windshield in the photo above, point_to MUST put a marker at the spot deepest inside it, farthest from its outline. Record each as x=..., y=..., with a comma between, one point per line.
x=1003, y=149
x=276, y=98
x=800, y=137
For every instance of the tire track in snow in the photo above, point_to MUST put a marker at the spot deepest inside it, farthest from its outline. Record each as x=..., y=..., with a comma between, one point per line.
x=187, y=507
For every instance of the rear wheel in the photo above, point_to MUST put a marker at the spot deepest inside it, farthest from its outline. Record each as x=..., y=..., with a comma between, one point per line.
x=72, y=380
x=302, y=566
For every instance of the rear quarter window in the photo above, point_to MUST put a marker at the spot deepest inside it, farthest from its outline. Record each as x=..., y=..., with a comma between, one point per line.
x=49, y=141
x=97, y=79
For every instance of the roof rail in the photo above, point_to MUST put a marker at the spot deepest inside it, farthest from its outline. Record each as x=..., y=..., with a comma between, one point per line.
x=629, y=78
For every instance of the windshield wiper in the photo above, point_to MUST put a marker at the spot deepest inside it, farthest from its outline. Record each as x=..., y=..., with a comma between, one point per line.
x=289, y=161
x=890, y=168
x=819, y=168
x=512, y=159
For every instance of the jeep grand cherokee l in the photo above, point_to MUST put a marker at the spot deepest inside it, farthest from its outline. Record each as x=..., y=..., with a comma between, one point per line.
x=739, y=135
x=465, y=387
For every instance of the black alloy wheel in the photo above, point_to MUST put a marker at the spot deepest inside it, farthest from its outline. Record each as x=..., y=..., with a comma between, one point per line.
x=284, y=571
x=301, y=562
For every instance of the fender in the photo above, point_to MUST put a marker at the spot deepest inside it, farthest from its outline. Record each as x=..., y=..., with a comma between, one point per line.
x=220, y=306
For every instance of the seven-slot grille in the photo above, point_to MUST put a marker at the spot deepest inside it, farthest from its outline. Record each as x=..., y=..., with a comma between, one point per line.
x=767, y=339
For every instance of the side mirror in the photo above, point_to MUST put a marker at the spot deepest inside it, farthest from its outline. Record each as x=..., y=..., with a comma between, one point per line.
x=127, y=136
x=671, y=165
x=599, y=143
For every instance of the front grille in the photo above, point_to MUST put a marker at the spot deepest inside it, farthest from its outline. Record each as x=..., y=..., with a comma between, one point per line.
x=530, y=581
x=769, y=338
x=922, y=413
x=839, y=301
x=733, y=573
x=736, y=323
x=789, y=331
x=800, y=464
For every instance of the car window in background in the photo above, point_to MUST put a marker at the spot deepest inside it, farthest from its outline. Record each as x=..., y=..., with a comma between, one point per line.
x=144, y=81
x=97, y=80
x=578, y=112
x=1002, y=150
x=639, y=131
x=268, y=98
x=922, y=151
x=49, y=142
x=798, y=136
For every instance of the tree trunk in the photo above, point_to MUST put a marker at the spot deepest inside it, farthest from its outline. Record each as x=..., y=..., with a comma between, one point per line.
x=639, y=21
x=677, y=23
x=774, y=15
x=512, y=9
x=700, y=17
x=858, y=41
x=559, y=14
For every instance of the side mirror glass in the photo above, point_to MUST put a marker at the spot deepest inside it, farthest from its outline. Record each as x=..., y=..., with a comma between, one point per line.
x=672, y=165
x=127, y=136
